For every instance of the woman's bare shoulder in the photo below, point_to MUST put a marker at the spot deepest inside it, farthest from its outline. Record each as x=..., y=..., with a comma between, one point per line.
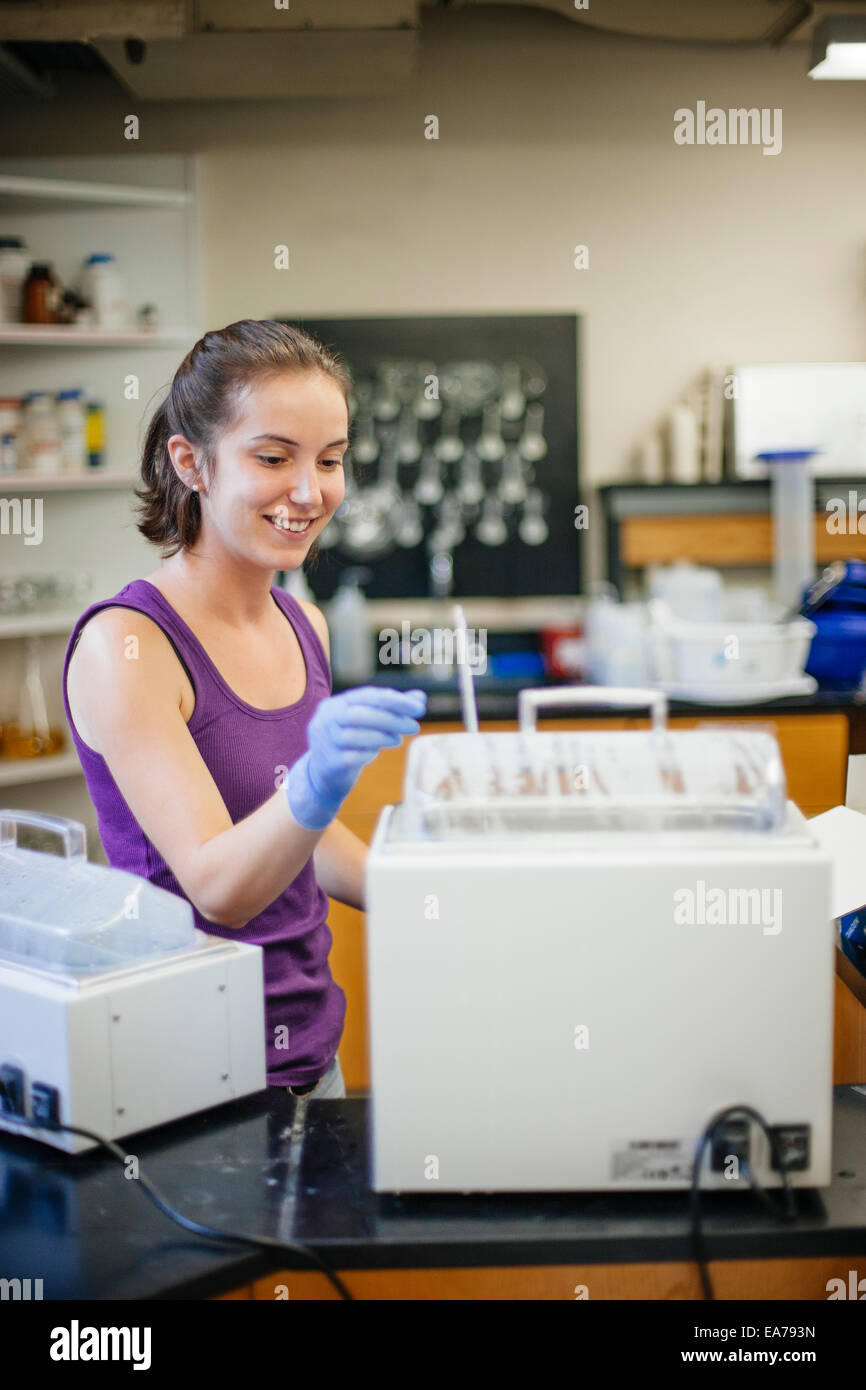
x=317, y=618
x=118, y=649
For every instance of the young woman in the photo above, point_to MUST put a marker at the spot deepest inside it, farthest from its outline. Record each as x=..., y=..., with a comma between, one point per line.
x=199, y=698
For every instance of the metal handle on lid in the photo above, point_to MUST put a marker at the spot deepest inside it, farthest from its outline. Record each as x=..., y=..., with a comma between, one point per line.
x=71, y=832
x=529, y=702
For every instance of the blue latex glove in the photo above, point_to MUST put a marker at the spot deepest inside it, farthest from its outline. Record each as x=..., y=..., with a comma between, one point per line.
x=345, y=733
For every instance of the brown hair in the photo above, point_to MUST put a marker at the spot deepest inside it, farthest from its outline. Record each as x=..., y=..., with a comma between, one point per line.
x=201, y=405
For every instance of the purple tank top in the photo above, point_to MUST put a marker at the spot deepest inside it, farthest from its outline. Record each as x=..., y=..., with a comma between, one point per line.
x=243, y=748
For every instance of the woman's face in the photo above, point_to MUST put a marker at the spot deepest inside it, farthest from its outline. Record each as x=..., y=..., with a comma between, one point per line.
x=279, y=470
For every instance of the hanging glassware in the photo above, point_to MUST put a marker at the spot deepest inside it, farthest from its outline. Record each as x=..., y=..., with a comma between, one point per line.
x=491, y=529
x=408, y=440
x=532, y=528
x=532, y=444
x=512, y=402
x=449, y=446
x=491, y=446
x=428, y=489
x=512, y=484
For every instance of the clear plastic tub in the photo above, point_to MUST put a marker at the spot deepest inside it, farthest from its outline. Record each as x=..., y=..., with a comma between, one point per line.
x=503, y=784
x=729, y=653
x=63, y=915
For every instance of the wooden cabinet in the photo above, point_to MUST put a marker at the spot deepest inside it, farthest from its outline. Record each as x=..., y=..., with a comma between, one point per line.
x=814, y=750
x=758, y=1279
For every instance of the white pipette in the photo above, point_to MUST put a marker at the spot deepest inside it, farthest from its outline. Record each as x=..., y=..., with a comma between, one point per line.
x=464, y=671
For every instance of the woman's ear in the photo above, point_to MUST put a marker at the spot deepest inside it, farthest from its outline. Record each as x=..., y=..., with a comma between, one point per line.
x=183, y=459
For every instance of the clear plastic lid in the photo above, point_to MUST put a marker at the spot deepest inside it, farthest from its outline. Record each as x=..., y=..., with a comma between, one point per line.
x=530, y=783
x=66, y=916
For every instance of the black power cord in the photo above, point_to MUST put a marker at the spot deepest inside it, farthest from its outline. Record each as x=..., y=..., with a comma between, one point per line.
x=788, y=1210
x=196, y=1227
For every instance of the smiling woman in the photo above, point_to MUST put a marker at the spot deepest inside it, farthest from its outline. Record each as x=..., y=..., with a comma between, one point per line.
x=211, y=386
x=199, y=697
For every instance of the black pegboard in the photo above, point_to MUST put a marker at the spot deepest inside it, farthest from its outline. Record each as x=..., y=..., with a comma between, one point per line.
x=514, y=569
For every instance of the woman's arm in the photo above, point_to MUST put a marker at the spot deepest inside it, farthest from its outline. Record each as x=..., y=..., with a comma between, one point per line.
x=230, y=873
x=132, y=709
x=339, y=858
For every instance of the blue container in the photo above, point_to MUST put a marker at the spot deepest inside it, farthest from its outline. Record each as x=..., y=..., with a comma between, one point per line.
x=838, y=652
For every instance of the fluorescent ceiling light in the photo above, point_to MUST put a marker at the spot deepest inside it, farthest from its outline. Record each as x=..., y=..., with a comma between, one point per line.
x=839, y=49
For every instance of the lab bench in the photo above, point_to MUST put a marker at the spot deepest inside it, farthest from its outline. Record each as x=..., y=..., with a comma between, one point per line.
x=816, y=733
x=297, y=1171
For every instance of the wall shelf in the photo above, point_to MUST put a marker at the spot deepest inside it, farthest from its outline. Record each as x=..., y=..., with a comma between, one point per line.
x=31, y=481
x=24, y=194
x=16, y=772
x=36, y=624
x=50, y=335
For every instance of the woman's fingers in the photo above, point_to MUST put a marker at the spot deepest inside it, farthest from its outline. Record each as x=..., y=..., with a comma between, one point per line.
x=385, y=697
x=388, y=711
x=354, y=737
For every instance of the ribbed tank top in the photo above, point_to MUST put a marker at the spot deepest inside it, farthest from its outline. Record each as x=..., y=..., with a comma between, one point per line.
x=243, y=748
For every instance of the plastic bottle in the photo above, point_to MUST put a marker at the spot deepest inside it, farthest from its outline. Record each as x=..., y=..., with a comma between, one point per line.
x=14, y=263
x=103, y=287
x=95, y=434
x=10, y=431
x=72, y=423
x=295, y=583
x=685, y=457
x=651, y=461
x=8, y=453
x=41, y=434
x=353, y=652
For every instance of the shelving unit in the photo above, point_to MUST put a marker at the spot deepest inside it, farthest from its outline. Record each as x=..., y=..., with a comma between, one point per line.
x=655, y=524
x=143, y=209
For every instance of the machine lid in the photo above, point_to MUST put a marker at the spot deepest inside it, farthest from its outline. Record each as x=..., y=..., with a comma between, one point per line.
x=63, y=915
x=712, y=780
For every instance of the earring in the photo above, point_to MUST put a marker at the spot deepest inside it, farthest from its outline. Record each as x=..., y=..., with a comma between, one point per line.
x=195, y=487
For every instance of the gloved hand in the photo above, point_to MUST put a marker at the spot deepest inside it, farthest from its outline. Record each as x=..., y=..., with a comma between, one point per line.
x=345, y=733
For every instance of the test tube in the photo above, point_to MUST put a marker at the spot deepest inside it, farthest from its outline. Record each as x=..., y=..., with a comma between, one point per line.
x=464, y=671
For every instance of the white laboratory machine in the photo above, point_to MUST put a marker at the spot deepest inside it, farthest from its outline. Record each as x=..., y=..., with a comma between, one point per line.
x=116, y=1013
x=582, y=946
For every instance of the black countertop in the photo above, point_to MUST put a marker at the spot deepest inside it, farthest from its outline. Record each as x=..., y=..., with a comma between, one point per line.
x=497, y=700
x=274, y=1166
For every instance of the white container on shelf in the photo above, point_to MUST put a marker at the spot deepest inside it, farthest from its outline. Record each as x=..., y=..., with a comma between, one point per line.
x=42, y=450
x=14, y=265
x=651, y=461
x=684, y=443
x=103, y=286
x=72, y=424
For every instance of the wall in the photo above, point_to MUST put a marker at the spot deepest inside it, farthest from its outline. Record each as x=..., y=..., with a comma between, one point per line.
x=550, y=135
